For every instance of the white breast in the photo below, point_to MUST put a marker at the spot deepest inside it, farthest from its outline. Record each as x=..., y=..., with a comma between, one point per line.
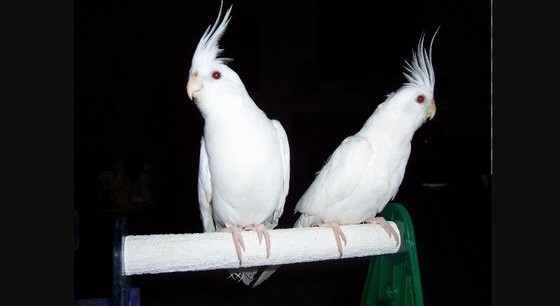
x=246, y=169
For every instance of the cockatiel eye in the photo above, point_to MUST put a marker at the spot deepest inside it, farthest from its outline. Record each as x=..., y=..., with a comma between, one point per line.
x=420, y=99
x=216, y=75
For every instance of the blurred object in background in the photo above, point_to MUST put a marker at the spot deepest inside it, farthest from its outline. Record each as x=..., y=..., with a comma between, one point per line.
x=118, y=191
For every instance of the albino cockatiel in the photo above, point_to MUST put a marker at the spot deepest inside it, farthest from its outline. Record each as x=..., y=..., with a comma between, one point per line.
x=244, y=168
x=365, y=171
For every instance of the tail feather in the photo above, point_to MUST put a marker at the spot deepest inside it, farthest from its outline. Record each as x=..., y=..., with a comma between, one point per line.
x=243, y=275
x=248, y=276
x=266, y=273
x=304, y=220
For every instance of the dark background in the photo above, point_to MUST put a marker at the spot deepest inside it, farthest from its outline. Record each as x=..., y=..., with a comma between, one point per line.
x=319, y=68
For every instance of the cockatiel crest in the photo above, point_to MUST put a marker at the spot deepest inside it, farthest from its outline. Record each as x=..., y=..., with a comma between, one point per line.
x=210, y=79
x=207, y=51
x=420, y=86
x=421, y=72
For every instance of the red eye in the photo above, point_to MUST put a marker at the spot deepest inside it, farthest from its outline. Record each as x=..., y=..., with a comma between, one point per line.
x=420, y=99
x=216, y=75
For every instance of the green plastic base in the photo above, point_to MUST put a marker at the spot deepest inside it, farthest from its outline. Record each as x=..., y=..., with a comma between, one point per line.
x=394, y=279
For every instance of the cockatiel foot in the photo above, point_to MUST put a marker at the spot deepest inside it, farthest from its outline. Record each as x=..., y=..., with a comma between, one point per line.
x=338, y=234
x=385, y=225
x=238, y=242
x=262, y=231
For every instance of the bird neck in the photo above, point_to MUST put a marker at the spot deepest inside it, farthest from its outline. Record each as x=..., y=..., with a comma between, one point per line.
x=232, y=115
x=389, y=126
x=223, y=107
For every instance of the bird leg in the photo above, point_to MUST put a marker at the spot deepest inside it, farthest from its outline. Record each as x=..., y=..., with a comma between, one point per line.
x=238, y=242
x=385, y=225
x=262, y=231
x=338, y=234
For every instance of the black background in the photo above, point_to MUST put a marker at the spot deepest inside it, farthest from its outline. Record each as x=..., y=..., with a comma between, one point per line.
x=320, y=69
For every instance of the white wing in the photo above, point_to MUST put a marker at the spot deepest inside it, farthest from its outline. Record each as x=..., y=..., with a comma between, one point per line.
x=339, y=176
x=273, y=220
x=205, y=190
x=285, y=152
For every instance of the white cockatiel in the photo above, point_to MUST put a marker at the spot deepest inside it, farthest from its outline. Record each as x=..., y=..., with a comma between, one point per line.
x=244, y=168
x=364, y=173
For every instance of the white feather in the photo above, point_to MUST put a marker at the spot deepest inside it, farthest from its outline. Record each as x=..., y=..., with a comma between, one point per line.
x=364, y=173
x=205, y=190
x=244, y=167
x=339, y=176
x=421, y=72
x=366, y=170
x=208, y=49
x=285, y=151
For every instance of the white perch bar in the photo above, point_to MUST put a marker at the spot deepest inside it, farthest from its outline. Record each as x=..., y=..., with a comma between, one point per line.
x=148, y=254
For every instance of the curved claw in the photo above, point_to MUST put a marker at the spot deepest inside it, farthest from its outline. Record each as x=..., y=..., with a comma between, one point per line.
x=263, y=231
x=238, y=241
x=338, y=234
x=386, y=226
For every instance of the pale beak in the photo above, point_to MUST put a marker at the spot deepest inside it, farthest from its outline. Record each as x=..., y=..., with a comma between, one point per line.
x=432, y=110
x=193, y=87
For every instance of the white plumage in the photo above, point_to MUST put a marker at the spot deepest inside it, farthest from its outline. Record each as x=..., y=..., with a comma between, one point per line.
x=244, y=156
x=364, y=173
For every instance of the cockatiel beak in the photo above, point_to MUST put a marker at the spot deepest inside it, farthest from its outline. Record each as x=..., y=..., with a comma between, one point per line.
x=193, y=86
x=432, y=110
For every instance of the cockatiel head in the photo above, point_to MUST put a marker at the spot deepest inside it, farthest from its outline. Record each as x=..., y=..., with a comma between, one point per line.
x=211, y=81
x=415, y=99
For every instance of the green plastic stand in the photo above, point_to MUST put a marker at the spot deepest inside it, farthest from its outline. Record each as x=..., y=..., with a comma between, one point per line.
x=394, y=279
